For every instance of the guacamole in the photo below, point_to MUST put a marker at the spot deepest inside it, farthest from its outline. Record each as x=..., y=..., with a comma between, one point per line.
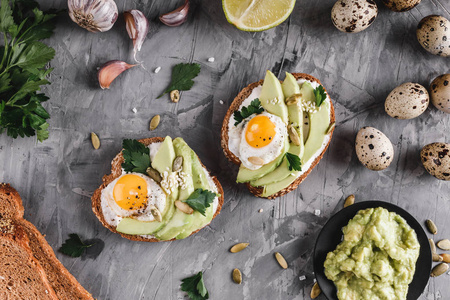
x=376, y=259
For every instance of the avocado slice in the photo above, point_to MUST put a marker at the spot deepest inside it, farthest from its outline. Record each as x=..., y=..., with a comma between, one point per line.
x=164, y=157
x=272, y=97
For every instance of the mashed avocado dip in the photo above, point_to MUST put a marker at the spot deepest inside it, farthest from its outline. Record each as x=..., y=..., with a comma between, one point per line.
x=376, y=259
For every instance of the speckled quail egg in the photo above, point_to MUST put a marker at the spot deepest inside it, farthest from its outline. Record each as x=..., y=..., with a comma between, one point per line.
x=353, y=15
x=436, y=160
x=401, y=5
x=440, y=92
x=407, y=101
x=433, y=33
x=374, y=149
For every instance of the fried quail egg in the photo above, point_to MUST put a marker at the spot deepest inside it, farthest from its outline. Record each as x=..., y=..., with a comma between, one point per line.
x=262, y=139
x=433, y=34
x=407, y=101
x=353, y=15
x=131, y=195
x=374, y=149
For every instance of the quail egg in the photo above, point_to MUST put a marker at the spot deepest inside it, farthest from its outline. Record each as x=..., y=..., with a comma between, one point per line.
x=440, y=92
x=374, y=149
x=436, y=160
x=353, y=15
x=407, y=101
x=433, y=33
x=401, y=5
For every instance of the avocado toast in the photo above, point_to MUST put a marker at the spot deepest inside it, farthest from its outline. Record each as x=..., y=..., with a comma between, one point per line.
x=180, y=182
x=303, y=116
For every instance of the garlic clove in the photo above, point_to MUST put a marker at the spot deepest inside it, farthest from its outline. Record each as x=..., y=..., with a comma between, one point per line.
x=93, y=15
x=110, y=70
x=137, y=27
x=176, y=17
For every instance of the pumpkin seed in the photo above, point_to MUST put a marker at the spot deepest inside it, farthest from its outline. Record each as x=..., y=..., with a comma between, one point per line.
x=439, y=270
x=237, y=276
x=315, y=291
x=432, y=245
x=95, y=141
x=294, y=99
x=280, y=259
x=443, y=244
x=238, y=247
x=155, y=122
x=153, y=174
x=256, y=160
x=331, y=127
x=431, y=226
x=175, y=96
x=156, y=213
x=293, y=135
x=445, y=257
x=177, y=163
x=349, y=200
x=184, y=207
x=437, y=257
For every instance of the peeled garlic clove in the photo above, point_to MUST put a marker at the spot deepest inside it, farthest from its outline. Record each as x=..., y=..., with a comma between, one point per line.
x=93, y=15
x=176, y=17
x=137, y=27
x=110, y=70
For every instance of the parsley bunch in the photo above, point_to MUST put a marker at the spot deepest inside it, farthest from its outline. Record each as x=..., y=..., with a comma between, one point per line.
x=22, y=68
x=246, y=111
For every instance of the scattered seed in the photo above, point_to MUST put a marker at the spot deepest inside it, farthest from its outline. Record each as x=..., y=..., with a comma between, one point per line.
x=175, y=96
x=432, y=245
x=315, y=291
x=154, y=174
x=239, y=247
x=431, y=226
x=443, y=244
x=157, y=70
x=437, y=257
x=294, y=99
x=156, y=213
x=237, y=276
x=184, y=207
x=221, y=101
x=293, y=135
x=211, y=59
x=317, y=212
x=439, y=270
x=177, y=163
x=260, y=210
x=331, y=127
x=256, y=160
x=155, y=122
x=301, y=278
x=445, y=257
x=349, y=200
x=134, y=109
x=95, y=141
x=280, y=259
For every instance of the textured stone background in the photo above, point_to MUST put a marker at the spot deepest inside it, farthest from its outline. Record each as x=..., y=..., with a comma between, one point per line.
x=57, y=177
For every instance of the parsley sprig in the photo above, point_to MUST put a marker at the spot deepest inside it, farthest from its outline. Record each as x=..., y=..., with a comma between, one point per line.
x=320, y=94
x=200, y=199
x=294, y=162
x=195, y=287
x=182, y=75
x=136, y=156
x=246, y=111
x=74, y=246
x=23, y=71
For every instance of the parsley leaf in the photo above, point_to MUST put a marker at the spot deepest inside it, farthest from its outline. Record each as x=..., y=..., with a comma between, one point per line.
x=74, y=246
x=294, y=162
x=200, y=199
x=246, y=111
x=136, y=155
x=182, y=75
x=195, y=287
x=320, y=94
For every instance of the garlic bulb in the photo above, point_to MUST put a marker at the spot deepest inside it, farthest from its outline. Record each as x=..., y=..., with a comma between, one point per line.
x=93, y=15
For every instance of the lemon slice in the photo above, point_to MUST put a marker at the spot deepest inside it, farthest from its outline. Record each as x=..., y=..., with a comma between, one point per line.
x=257, y=15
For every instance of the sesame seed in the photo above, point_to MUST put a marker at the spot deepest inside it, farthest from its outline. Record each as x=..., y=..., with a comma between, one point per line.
x=134, y=110
x=211, y=59
x=220, y=101
x=317, y=212
x=303, y=277
x=157, y=70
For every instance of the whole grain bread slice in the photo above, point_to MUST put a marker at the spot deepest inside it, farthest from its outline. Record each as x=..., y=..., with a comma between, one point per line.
x=116, y=171
x=61, y=281
x=244, y=94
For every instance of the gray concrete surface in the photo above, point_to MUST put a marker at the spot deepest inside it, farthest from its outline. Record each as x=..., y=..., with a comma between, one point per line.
x=57, y=177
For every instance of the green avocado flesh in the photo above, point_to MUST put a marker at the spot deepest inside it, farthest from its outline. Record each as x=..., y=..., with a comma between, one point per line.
x=175, y=224
x=376, y=259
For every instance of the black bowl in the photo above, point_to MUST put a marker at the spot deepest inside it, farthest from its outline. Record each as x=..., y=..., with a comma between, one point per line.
x=331, y=235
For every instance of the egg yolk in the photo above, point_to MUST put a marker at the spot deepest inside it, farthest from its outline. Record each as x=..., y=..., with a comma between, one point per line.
x=130, y=192
x=260, y=132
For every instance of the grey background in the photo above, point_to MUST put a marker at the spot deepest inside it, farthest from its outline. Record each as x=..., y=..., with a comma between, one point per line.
x=57, y=177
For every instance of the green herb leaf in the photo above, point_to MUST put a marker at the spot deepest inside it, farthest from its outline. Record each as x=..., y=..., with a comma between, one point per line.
x=6, y=19
x=246, y=111
x=200, y=199
x=42, y=133
x=136, y=155
x=182, y=75
x=195, y=287
x=320, y=94
x=294, y=162
x=74, y=246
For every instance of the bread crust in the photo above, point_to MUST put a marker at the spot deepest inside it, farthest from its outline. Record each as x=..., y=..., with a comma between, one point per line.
x=116, y=171
x=243, y=94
